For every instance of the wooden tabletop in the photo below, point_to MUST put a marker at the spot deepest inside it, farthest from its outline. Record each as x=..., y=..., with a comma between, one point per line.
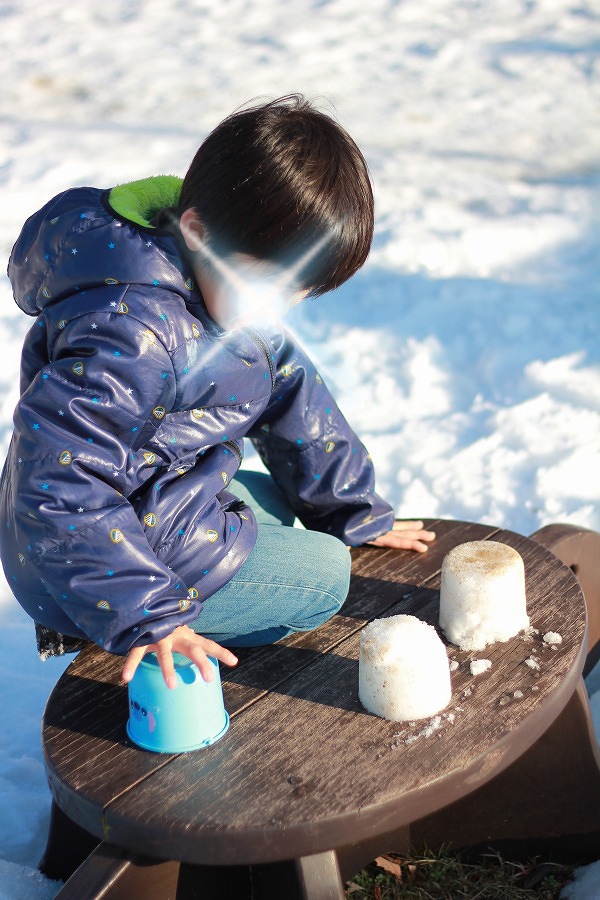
x=304, y=767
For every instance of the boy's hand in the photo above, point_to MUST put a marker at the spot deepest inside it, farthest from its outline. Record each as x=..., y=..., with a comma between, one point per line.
x=182, y=640
x=405, y=536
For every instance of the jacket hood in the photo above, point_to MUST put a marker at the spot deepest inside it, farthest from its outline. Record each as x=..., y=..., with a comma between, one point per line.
x=87, y=237
x=139, y=201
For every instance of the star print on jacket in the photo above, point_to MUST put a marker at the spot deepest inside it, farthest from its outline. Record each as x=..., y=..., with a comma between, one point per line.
x=130, y=430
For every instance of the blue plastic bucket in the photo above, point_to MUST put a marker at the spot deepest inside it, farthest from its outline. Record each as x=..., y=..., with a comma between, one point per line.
x=175, y=720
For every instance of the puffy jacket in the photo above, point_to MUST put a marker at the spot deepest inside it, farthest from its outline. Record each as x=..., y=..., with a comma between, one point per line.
x=117, y=519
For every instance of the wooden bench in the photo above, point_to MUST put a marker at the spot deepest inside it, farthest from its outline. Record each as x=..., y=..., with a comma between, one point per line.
x=307, y=787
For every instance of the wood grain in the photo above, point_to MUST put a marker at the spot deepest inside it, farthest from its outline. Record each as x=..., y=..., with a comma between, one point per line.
x=304, y=767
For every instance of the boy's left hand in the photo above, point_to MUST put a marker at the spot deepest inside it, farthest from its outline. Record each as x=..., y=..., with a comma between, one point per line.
x=405, y=536
x=182, y=640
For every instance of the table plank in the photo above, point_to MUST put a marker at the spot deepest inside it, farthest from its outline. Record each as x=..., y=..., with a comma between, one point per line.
x=256, y=797
x=381, y=578
x=84, y=738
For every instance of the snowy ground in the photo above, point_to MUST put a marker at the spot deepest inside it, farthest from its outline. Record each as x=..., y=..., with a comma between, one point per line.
x=466, y=353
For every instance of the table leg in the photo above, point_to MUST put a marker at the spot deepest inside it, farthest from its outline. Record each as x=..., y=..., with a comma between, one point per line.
x=546, y=801
x=67, y=846
x=579, y=548
x=110, y=873
x=315, y=877
x=214, y=883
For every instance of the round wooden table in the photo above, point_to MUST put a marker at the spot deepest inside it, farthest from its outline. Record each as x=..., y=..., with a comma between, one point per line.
x=306, y=787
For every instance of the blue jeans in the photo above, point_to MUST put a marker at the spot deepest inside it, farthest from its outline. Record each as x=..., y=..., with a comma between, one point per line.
x=293, y=580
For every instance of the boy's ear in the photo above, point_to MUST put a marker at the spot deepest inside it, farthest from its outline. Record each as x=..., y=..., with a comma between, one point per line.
x=192, y=230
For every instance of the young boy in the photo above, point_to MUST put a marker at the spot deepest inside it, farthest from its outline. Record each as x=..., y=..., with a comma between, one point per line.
x=155, y=351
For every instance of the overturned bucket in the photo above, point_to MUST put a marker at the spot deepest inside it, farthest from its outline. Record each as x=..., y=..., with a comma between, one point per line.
x=167, y=720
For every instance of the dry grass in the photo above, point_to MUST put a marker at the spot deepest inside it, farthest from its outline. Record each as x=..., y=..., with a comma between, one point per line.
x=446, y=877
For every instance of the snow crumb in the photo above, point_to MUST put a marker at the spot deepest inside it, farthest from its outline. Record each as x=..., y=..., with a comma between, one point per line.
x=430, y=728
x=518, y=694
x=532, y=663
x=436, y=724
x=529, y=634
x=551, y=637
x=453, y=665
x=479, y=666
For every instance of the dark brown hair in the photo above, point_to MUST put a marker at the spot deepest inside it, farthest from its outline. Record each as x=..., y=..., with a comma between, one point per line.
x=277, y=180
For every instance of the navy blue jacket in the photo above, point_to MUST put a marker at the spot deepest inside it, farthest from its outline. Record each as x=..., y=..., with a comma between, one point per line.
x=117, y=521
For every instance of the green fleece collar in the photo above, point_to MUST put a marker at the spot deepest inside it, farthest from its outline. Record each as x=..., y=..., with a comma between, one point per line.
x=139, y=201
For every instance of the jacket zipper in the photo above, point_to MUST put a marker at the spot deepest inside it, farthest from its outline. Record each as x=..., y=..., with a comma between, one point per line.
x=258, y=339
x=236, y=450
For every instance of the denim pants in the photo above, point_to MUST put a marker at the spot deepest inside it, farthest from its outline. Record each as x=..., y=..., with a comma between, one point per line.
x=293, y=580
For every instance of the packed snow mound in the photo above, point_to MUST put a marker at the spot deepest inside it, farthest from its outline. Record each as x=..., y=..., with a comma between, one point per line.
x=403, y=669
x=482, y=594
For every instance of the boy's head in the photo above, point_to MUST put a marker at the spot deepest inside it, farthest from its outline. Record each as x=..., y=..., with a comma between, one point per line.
x=285, y=184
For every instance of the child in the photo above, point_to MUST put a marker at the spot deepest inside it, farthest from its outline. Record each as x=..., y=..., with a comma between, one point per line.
x=155, y=351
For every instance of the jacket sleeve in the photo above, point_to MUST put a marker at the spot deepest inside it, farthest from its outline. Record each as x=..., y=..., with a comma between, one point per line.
x=107, y=385
x=315, y=457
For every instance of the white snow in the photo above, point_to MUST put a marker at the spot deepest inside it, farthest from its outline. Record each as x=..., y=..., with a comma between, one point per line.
x=479, y=666
x=586, y=885
x=403, y=670
x=552, y=638
x=24, y=883
x=482, y=594
x=466, y=352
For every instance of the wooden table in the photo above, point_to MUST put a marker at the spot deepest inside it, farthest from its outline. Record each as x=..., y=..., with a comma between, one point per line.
x=307, y=787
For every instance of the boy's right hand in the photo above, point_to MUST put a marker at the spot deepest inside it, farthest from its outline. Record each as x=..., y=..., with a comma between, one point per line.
x=405, y=535
x=185, y=641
